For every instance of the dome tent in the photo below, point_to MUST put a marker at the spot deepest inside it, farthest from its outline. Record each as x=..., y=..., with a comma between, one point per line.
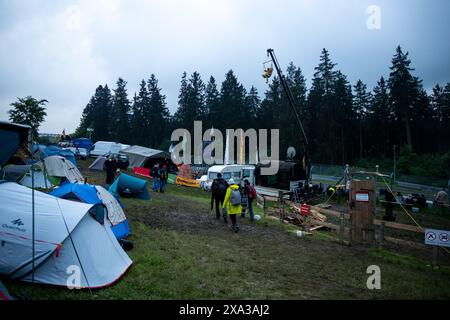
x=60, y=167
x=98, y=163
x=65, y=236
x=100, y=198
x=128, y=186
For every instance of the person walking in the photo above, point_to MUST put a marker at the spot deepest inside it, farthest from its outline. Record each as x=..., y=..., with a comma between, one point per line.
x=232, y=204
x=218, y=191
x=250, y=194
x=155, y=175
x=163, y=179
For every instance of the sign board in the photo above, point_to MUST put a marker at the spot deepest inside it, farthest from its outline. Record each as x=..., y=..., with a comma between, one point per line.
x=437, y=237
x=304, y=209
x=362, y=196
x=187, y=182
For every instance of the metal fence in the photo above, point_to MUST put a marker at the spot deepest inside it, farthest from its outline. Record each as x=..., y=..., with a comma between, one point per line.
x=336, y=171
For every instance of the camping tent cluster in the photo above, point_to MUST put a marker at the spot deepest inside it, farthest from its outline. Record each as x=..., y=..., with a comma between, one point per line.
x=45, y=238
x=50, y=172
x=52, y=150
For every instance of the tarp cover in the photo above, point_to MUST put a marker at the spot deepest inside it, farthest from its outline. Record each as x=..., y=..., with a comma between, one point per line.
x=91, y=247
x=138, y=155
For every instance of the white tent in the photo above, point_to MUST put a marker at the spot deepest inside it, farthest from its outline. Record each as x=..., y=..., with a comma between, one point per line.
x=138, y=155
x=68, y=241
x=98, y=163
x=60, y=167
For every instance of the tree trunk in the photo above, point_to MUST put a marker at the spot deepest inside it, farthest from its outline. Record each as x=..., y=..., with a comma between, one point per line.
x=360, y=140
x=408, y=132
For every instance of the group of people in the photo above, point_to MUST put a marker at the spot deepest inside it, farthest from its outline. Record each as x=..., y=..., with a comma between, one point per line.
x=160, y=175
x=232, y=200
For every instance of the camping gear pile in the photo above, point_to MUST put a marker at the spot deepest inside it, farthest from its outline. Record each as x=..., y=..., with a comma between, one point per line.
x=77, y=229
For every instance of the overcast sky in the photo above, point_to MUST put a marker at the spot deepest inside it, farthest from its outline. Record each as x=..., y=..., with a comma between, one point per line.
x=62, y=50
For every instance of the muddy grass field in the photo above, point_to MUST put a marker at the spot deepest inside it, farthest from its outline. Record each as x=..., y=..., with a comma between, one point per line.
x=181, y=251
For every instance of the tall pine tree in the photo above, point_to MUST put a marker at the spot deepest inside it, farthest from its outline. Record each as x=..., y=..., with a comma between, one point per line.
x=120, y=114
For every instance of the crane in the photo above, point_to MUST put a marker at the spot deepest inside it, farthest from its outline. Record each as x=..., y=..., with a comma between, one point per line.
x=287, y=90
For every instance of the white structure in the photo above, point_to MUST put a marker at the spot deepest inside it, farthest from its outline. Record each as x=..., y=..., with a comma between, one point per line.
x=71, y=247
x=138, y=155
x=102, y=148
x=235, y=171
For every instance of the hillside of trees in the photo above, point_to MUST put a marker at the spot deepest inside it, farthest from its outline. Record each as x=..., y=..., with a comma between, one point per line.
x=344, y=122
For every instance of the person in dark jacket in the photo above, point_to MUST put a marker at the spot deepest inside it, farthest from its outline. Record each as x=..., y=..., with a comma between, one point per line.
x=163, y=179
x=249, y=194
x=155, y=175
x=110, y=167
x=218, y=190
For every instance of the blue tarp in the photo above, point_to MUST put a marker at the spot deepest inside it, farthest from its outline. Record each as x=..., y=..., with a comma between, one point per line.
x=82, y=143
x=121, y=230
x=131, y=187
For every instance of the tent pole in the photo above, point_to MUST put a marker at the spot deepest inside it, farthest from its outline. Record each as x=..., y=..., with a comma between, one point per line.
x=32, y=208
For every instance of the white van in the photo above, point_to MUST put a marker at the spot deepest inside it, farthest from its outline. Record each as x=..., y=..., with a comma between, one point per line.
x=101, y=148
x=235, y=171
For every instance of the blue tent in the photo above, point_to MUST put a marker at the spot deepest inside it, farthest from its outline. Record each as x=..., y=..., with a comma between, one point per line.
x=69, y=155
x=130, y=187
x=82, y=143
x=104, y=204
x=83, y=193
x=52, y=150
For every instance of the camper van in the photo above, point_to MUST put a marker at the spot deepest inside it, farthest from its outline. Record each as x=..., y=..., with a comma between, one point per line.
x=235, y=171
x=101, y=148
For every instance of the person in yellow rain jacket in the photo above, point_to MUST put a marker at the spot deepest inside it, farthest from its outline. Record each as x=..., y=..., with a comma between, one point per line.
x=232, y=204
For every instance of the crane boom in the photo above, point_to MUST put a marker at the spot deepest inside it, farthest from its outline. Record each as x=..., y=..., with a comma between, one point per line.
x=288, y=92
